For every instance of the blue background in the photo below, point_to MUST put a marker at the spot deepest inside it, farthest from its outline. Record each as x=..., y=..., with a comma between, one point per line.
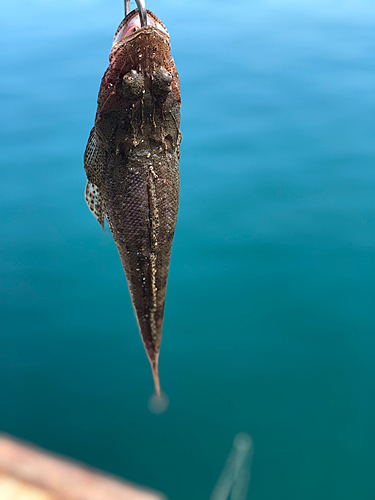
x=269, y=321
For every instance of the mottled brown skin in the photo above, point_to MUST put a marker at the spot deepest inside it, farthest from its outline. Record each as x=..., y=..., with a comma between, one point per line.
x=132, y=166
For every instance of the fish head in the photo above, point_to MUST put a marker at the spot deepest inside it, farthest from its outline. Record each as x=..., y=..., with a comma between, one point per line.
x=141, y=85
x=143, y=49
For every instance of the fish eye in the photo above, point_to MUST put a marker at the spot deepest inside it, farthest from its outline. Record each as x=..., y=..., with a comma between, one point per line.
x=162, y=82
x=132, y=84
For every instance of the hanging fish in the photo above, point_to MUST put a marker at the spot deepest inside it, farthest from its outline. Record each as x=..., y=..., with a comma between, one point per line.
x=132, y=164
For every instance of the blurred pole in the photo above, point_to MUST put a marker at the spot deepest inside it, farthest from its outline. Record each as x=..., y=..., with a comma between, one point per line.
x=235, y=477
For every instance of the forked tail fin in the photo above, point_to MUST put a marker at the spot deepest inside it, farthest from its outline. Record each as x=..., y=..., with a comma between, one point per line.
x=235, y=477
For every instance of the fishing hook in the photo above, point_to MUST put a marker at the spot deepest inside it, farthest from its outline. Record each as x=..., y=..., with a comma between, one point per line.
x=141, y=10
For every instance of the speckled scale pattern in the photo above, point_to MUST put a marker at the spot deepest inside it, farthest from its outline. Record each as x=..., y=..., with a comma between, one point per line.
x=132, y=165
x=94, y=159
x=94, y=202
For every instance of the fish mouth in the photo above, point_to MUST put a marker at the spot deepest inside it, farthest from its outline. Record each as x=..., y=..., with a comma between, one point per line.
x=131, y=28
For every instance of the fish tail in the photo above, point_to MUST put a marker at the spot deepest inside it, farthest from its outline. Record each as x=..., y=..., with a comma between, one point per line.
x=158, y=402
x=155, y=374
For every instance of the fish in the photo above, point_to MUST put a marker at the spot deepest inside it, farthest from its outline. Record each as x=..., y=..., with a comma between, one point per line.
x=132, y=166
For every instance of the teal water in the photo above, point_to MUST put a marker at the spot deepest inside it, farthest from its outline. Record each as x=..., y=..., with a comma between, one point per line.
x=269, y=322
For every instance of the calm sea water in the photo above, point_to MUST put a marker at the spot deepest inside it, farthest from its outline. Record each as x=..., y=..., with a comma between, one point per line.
x=269, y=322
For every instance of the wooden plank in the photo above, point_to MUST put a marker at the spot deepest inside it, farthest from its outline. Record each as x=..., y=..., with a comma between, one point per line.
x=29, y=473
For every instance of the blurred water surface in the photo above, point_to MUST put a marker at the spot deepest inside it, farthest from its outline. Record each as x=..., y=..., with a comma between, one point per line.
x=269, y=321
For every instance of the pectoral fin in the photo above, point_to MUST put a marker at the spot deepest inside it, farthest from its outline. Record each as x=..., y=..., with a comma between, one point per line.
x=94, y=202
x=93, y=160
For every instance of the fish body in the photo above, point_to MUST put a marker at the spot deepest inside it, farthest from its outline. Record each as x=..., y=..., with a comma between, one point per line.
x=132, y=166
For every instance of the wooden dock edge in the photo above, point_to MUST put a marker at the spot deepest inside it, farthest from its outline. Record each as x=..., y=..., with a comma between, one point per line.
x=30, y=473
